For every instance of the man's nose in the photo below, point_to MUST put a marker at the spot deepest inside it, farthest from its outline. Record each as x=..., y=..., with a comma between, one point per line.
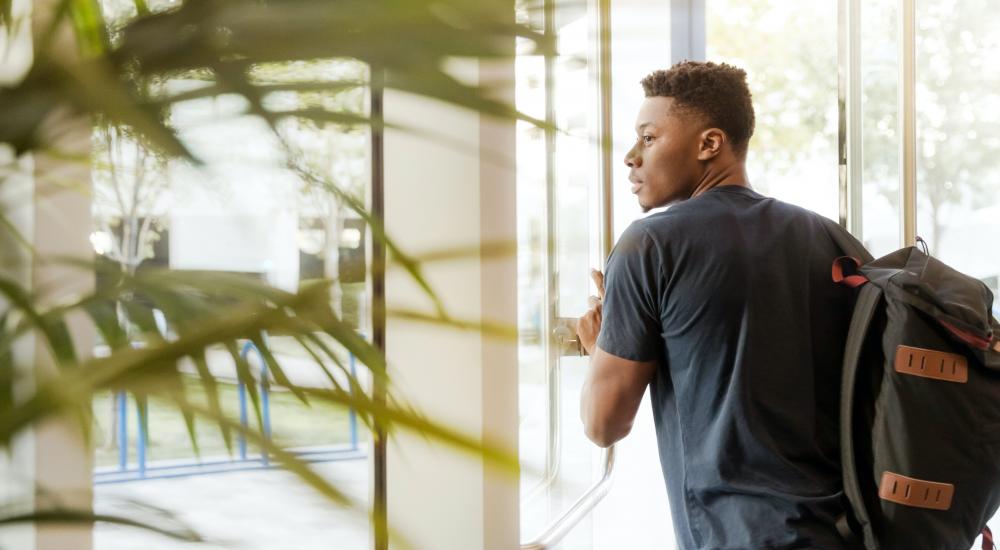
x=631, y=159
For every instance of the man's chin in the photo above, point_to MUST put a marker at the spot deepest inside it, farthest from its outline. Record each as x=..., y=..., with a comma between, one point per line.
x=644, y=203
x=647, y=206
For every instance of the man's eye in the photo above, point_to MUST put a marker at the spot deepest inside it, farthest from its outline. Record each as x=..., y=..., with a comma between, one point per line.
x=647, y=139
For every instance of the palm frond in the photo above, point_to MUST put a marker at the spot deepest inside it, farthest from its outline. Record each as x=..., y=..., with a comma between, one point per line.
x=66, y=515
x=409, y=43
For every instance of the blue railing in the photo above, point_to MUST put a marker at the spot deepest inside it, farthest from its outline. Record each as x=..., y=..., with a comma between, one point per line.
x=143, y=469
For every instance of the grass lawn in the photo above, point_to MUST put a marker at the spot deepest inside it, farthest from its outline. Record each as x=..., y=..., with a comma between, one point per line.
x=293, y=424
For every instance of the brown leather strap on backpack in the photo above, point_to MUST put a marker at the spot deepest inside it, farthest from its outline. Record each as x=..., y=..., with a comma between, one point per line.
x=928, y=363
x=918, y=493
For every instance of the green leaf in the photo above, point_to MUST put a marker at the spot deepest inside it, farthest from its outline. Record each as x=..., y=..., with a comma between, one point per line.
x=211, y=388
x=7, y=14
x=498, y=330
x=89, y=26
x=53, y=328
x=274, y=368
x=69, y=515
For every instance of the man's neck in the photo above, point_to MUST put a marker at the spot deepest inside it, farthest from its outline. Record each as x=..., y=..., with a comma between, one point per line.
x=731, y=173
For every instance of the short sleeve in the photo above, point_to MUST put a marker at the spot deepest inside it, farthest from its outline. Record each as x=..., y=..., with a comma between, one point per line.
x=630, y=326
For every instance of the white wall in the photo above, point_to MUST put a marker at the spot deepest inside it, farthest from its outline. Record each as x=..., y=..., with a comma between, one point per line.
x=438, y=196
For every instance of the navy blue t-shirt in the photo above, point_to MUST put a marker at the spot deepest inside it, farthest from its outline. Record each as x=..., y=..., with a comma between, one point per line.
x=731, y=293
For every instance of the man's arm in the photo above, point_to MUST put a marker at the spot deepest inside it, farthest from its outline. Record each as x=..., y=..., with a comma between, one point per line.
x=614, y=386
x=611, y=396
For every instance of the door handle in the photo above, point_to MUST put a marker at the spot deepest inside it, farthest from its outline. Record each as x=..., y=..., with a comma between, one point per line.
x=565, y=337
x=583, y=506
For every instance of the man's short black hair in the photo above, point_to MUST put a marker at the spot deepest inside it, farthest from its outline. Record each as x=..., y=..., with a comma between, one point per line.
x=716, y=91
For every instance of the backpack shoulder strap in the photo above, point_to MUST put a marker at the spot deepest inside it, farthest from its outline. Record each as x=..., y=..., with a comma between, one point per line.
x=864, y=311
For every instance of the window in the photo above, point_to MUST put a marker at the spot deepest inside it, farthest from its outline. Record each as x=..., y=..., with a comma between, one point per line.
x=789, y=51
x=958, y=134
x=244, y=211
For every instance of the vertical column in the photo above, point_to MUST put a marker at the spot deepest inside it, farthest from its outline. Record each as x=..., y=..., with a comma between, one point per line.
x=849, y=114
x=687, y=30
x=16, y=205
x=61, y=229
x=376, y=289
x=48, y=203
x=908, y=121
x=62, y=226
x=499, y=356
x=454, y=191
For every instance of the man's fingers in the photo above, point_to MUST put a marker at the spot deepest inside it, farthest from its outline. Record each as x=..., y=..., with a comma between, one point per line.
x=588, y=327
x=598, y=278
x=593, y=302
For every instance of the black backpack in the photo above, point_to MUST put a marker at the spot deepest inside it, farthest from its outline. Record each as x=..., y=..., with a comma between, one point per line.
x=920, y=402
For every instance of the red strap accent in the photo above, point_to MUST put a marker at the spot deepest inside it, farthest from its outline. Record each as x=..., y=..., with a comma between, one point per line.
x=988, y=539
x=854, y=280
x=973, y=340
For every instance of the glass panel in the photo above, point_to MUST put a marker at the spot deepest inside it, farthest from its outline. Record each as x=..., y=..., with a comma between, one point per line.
x=789, y=51
x=638, y=46
x=576, y=159
x=532, y=280
x=243, y=212
x=958, y=134
x=568, y=224
x=880, y=126
x=575, y=164
x=635, y=513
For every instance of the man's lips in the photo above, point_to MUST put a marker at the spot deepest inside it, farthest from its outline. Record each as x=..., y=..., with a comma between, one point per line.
x=635, y=186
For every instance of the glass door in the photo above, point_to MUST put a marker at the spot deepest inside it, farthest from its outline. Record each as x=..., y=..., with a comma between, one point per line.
x=558, y=243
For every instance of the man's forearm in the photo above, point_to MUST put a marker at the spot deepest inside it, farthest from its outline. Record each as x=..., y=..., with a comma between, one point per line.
x=611, y=394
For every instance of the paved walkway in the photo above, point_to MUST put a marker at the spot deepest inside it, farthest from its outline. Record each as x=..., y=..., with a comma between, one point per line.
x=246, y=510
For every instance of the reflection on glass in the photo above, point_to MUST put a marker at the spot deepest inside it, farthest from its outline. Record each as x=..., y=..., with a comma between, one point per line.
x=789, y=51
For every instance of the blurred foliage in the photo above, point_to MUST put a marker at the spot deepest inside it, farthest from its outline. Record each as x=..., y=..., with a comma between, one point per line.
x=223, y=41
x=118, y=76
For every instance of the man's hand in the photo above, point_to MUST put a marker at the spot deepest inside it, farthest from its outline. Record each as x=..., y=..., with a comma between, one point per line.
x=589, y=326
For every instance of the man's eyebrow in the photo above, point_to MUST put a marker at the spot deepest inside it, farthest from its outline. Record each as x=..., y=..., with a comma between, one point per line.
x=641, y=126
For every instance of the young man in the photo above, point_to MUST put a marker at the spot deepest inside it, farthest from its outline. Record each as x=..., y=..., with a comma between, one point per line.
x=724, y=305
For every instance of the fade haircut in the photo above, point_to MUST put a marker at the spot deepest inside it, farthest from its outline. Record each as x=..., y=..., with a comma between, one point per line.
x=716, y=91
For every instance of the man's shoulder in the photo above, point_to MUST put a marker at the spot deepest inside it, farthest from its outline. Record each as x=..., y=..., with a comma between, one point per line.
x=706, y=213
x=723, y=201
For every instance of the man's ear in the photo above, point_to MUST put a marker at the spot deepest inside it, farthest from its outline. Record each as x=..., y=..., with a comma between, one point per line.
x=710, y=143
